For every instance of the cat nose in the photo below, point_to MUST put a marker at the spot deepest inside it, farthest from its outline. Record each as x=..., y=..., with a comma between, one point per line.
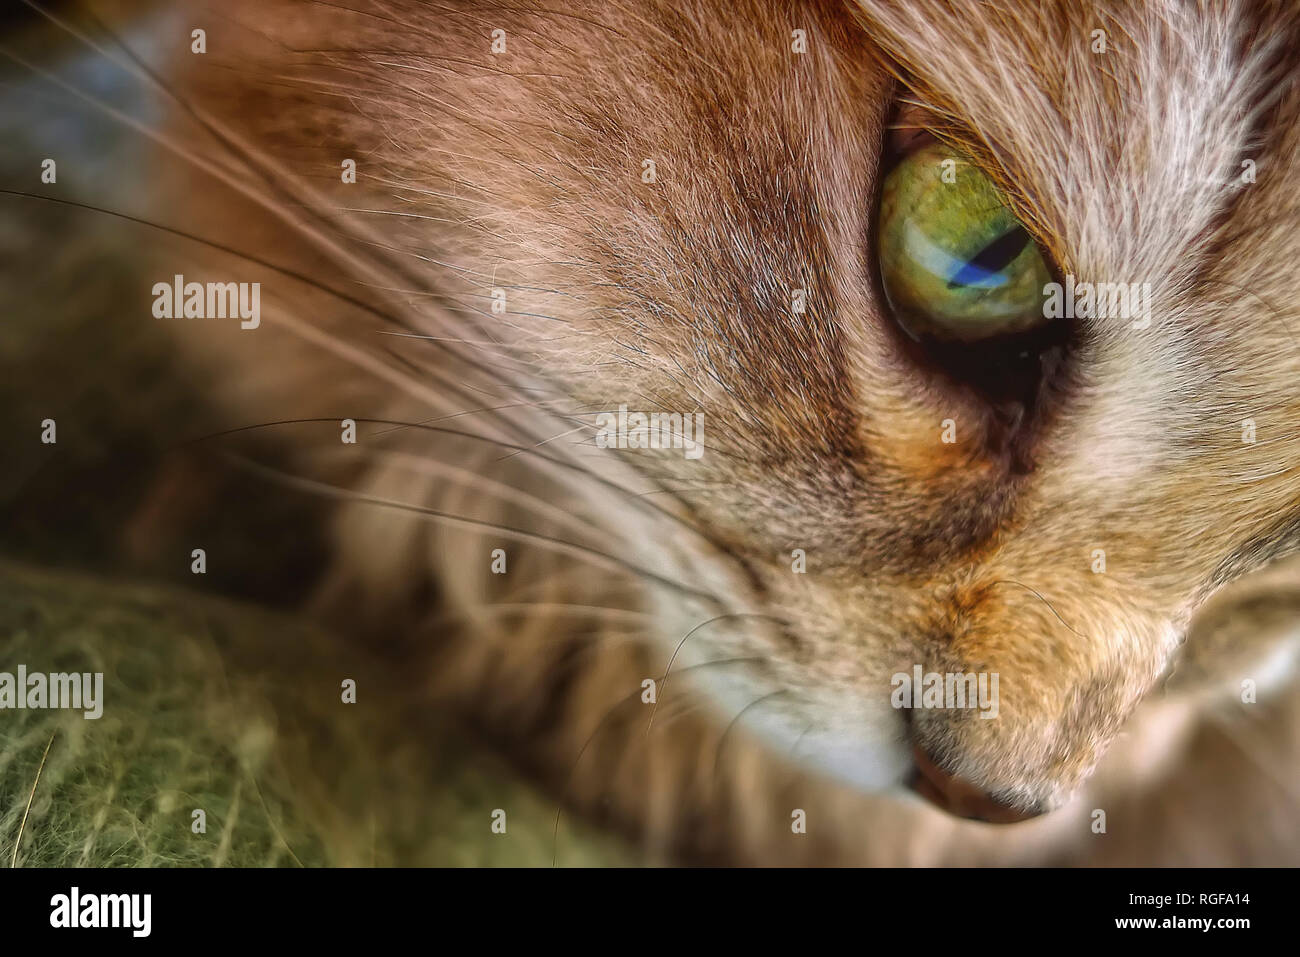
x=959, y=797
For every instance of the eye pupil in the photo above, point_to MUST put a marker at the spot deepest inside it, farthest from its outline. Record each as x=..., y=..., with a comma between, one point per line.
x=984, y=267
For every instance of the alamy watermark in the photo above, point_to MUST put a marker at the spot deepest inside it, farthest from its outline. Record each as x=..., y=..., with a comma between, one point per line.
x=179, y=299
x=133, y=912
x=651, y=430
x=82, y=691
x=1101, y=300
x=947, y=690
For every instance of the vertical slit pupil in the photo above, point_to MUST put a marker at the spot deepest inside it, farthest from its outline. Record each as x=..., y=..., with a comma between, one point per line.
x=992, y=258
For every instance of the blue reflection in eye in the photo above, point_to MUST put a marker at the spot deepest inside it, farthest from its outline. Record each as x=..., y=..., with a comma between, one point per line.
x=972, y=275
x=940, y=262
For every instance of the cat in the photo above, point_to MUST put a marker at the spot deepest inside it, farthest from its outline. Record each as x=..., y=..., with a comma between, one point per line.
x=479, y=228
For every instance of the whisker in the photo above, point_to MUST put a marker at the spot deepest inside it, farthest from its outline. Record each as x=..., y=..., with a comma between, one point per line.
x=333, y=343
x=649, y=508
x=485, y=486
x=570, y=548
x=1050, y=606
x=663, y=682
x=722, y=738
x=275, y=181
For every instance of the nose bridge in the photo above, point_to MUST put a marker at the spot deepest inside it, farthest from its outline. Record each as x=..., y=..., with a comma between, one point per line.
x=1055, y=648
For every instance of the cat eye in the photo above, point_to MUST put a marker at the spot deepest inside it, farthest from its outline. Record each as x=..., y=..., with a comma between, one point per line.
x=956, y=265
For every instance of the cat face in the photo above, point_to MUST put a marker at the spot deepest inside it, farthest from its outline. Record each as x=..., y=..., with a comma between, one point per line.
x=680, y=204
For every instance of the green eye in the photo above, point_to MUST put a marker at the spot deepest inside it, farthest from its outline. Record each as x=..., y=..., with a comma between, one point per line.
x=955, y=262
